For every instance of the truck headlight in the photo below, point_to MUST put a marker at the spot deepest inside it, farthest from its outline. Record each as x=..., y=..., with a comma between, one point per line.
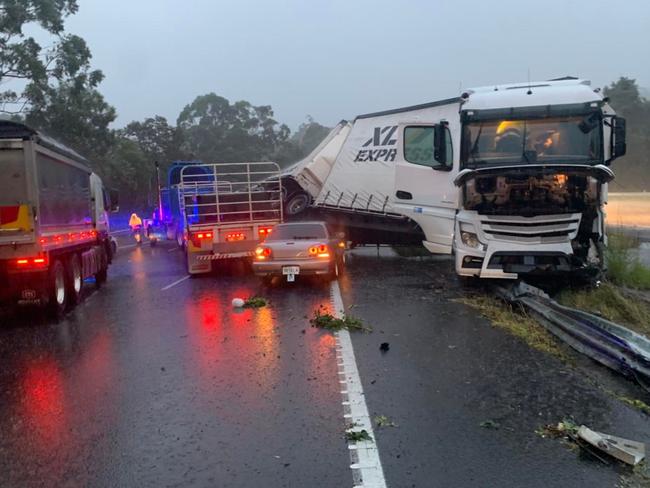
x=470, y=239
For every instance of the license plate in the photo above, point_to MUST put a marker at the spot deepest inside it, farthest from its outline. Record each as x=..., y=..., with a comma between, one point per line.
x=28, y=294
x=290, y=270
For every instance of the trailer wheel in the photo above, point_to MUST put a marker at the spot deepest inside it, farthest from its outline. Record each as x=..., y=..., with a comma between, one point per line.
x=101, y=276
x=74, y=280
x=297, y=203
x=58, y=295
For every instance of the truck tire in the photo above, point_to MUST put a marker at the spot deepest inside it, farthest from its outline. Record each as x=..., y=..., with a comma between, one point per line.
x=58, y=294
x=74, y=280
x=180, y=240
x=297, y=203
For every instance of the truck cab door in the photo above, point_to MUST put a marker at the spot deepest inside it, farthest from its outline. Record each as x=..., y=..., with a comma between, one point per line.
x=424, y=187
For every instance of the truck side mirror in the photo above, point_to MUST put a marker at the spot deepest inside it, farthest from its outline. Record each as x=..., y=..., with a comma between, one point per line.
x=115, y=200
x=440, y=143
x=619, y=146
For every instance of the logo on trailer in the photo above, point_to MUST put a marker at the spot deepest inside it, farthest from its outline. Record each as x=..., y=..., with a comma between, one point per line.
x=379, y=145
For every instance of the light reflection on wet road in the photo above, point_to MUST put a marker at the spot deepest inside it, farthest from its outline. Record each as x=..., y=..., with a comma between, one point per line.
x=140, y=387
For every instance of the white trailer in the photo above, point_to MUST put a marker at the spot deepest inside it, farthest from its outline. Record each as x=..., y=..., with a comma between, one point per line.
x=510, y=179
x=54, y=225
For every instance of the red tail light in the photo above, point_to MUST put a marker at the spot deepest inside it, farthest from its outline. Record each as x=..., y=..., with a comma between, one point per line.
x=197, y=237
x=38, y=262
x=264, y=232
x=262, y=253
x=321, y=251
x=235, y=236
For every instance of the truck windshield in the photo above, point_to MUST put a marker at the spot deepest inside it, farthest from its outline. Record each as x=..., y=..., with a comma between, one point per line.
x=524, y=141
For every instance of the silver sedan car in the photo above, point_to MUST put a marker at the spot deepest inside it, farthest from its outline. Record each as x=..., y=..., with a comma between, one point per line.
x=300, y=248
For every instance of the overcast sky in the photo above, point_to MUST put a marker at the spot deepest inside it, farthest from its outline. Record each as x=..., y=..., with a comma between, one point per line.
x=335, y=59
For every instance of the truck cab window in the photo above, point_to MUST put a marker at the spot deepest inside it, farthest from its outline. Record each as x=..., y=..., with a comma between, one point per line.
x=419, y=146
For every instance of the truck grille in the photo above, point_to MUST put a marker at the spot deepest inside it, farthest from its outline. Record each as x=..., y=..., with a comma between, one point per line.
x=541, y=228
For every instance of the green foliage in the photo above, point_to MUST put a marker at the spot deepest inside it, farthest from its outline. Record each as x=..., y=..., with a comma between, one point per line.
x=216, y=130
x=36, y=71
x=623, y=267
x=632, y=170
x=358, y=436
x=255, y=302
x=329, y=322
x=608, y=301
x=383, y=421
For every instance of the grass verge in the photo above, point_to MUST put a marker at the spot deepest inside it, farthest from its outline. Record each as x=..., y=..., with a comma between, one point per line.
x=517, y=322
x=609, y=302
x=623, y=268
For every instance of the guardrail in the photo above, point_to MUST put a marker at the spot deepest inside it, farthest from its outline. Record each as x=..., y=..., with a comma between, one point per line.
x=610, y=344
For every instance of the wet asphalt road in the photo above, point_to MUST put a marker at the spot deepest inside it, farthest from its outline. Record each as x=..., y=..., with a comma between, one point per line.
x=144, y=387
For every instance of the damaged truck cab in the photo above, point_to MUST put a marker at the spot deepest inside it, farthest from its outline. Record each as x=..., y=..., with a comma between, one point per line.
x=533, y=174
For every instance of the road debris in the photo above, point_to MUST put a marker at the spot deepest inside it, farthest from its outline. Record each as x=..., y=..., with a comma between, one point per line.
x=358, y=436
x=490, y=424
x=384, y=347
x=255, y=302
x=628, y=451
x=383, y=421
x=329, y=322
x=238, y=302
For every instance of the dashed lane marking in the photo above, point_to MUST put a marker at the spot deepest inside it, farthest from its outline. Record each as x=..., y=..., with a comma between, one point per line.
x=175, y=283
x=128, y=246
x=121, y=231
x=367, y=471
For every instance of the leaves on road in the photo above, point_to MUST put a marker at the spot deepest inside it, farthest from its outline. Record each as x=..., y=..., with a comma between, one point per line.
x=329, y=322
x=490, y=424
x=383, y=421
x=358, y=436
x=255, y=302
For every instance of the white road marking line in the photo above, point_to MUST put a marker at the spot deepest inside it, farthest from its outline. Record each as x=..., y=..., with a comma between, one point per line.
x=128, y=246
x=122, y=231
x=175, y=283
x=367, y=471
x=173, y=249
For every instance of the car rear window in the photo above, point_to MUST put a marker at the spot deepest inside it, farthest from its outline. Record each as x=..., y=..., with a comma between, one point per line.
x=299, y=231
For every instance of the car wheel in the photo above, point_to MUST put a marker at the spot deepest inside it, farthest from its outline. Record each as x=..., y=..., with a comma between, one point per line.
x=58, y=296
x=74, y=280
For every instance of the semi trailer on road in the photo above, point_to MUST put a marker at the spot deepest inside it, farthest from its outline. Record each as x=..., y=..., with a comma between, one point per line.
x=54, y=224
x=511, y=179
x=223, y=210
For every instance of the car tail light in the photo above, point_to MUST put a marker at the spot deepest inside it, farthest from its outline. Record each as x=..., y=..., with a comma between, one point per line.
x=38, y=262
x=235, y=236
x=264, y=232
x=262, y=253
x=198, y=237
x=320, y=251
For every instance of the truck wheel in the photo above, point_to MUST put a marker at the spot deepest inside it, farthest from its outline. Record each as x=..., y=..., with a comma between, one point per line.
x=101, y=276
x=58, y=295
x=297, y=203
x=74, y=280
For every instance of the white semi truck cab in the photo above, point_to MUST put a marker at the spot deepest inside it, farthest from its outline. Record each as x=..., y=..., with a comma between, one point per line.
x=533, y=173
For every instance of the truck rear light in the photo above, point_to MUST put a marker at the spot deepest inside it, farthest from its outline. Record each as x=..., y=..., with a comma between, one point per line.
x=235, y=236
x=197, y=238
x=264, y=232
x=38, y=262
x=262, y=253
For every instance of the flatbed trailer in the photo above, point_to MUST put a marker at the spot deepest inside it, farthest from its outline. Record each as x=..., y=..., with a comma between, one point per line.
x=227, y=209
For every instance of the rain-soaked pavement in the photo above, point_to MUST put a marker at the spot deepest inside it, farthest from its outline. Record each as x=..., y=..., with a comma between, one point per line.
x=150, y=385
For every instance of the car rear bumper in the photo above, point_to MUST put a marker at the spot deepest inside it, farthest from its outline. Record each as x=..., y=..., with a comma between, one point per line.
x=307, y=267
